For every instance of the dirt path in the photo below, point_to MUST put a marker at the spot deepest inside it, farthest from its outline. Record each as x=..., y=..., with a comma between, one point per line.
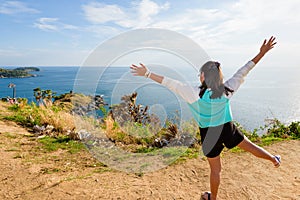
x=29, y=173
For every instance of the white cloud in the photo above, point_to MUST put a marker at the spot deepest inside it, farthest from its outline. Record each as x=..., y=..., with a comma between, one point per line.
x=229, y=28
x=269, y=10
x=197, y=23
x=139, y=15
x=237, y=25
x=99, y=13
x=14, y=7
x=46, y=24
x=52, y=24
x=146, y=9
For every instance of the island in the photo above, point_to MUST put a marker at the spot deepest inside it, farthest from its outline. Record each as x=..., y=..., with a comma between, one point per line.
x=19, y=72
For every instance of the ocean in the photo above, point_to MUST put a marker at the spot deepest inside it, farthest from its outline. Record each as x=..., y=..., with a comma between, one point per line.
x=266, y=94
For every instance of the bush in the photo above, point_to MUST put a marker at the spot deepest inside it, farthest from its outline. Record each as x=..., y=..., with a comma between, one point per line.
x=28, y=115
x=31, y=115
x=252, y=136
x=280, y=130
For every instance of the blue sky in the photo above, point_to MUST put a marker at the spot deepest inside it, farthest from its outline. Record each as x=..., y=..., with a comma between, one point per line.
x=64, y=32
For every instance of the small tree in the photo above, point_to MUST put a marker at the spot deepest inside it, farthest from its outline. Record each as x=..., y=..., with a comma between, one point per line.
x=43, y=97
x=47, y=96
x=37, y=92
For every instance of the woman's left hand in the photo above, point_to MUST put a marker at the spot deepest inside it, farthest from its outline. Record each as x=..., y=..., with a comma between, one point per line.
x=266, y=46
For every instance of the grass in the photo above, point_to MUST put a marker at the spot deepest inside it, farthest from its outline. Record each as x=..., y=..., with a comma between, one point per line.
x=10, y=135
x=31, y=114
x=172, y=155
x=139, y=140
x=270, y=140
x=18, y=156
x=49, y=170
x=102, y=170
x=12, y=149
x=189, y=153
x=50, y=144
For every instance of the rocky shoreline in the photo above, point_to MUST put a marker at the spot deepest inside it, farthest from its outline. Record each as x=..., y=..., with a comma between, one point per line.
x=20, y=72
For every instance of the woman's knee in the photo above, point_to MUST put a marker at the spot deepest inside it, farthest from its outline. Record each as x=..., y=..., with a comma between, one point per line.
x=245, y=144
x=215, y=165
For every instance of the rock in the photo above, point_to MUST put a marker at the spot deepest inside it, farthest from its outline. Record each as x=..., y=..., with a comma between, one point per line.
x=38, y=130
x=161, y=142
x=83, y=134
x=42, y=130
x=48, y=130
x=184, y=139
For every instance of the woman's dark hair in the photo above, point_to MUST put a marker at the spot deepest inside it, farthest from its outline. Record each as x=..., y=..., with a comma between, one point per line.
x=213, y=80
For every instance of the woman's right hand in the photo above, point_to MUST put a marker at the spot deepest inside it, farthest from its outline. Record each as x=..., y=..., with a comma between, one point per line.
x=138, y=70
x=142, y=70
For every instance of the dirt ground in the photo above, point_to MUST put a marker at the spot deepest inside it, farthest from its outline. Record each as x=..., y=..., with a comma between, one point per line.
x=29, y=173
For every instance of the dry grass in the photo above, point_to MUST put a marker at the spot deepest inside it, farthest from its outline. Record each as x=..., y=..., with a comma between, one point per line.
x=61, y=120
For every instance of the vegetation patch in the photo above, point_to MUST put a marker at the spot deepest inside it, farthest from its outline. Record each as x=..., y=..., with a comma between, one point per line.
x=127, y=125
x=10, y=135
x=50, y=144
x=49, y=170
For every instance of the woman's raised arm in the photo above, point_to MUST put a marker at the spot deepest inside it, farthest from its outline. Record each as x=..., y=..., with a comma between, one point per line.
x=142, y=70
x=188, y=93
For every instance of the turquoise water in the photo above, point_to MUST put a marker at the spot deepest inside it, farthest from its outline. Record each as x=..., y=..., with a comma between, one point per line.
x=266, y=93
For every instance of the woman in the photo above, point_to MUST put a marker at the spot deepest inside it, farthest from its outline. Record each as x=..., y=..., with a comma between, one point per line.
x=210, y=106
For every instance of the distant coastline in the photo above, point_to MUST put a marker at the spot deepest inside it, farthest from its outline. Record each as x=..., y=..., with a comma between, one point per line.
x=259, y=96
x=19, y=72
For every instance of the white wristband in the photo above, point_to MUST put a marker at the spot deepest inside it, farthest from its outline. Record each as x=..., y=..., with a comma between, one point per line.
x=147, y=74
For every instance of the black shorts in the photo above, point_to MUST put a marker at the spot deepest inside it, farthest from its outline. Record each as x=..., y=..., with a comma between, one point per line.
x=214, y=139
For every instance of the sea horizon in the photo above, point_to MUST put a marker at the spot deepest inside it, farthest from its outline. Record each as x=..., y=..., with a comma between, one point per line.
x=265, y=94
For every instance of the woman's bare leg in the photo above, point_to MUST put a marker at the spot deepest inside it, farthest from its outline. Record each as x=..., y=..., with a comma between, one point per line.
x=215, y=175
x=258, y=151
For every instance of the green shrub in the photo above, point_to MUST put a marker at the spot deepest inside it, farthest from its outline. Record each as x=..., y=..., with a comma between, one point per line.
x=280, y=130
x=27, y=116
x=31, y=115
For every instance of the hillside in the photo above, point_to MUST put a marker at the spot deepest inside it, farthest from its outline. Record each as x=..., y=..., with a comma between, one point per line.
x=30, y=171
